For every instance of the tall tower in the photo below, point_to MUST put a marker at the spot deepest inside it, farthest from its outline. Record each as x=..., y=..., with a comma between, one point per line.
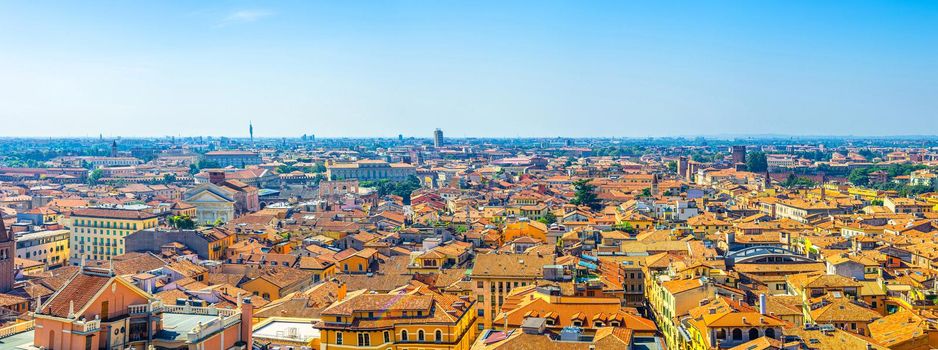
x=438, y=138
x=7, y=252
x=251, y=130
x=114, y=148
x=739, y=154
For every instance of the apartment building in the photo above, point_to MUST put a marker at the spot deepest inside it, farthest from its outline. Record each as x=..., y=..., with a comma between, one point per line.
x=98, y=233
x=495, y=275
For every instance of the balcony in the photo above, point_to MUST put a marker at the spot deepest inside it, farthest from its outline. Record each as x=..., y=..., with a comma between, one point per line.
x=17, y=328
x=143, y=309
x=87, y=327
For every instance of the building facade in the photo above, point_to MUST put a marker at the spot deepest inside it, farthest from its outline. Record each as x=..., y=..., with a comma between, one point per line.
x=370, y=170
x=237, y=159
x=98, y=233
x=48, y=247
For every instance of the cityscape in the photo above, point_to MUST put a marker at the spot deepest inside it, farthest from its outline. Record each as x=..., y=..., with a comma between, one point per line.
x=444, y=243
x=468, y=175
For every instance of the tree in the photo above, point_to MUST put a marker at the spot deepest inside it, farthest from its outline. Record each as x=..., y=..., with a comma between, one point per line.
x=646, y=192
x=285, y=169
x=169, y=178
x=793, y=181
x=625, y=227
x=859, y=176
x=757, y=162
x=585, y=194
x=400, y=188
x=548, y=218
x=182, y=222
x=672, y=166
x=95, y=176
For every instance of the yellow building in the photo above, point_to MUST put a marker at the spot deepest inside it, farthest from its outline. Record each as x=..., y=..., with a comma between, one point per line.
x=48, y=247
x=671, y=299
x=495, y=275
x=399, y=321
x=707, y=224
x=723, y=323
x=637, y=220
x=277, y=282
x=533, y=229
x=98, y=233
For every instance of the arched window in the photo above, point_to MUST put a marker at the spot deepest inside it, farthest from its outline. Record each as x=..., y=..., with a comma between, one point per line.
x=420, y=335
x=404, y=335
x=387, y=337
x=770, y=332
x=753, y=333
x=737, y=334
x=439, y=336
x=721, y=334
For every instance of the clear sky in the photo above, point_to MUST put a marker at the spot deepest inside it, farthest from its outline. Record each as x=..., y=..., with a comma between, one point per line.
x=473, y=68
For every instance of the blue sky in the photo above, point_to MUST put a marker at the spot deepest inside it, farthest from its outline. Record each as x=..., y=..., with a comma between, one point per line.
x=473, y=68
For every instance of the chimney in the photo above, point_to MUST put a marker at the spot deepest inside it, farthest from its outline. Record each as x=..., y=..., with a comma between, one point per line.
x=247, y=321
x=216, y=176
x=762, y=300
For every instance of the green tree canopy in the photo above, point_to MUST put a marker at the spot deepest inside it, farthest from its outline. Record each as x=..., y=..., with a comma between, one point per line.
x=757, y=162
x=585, y=194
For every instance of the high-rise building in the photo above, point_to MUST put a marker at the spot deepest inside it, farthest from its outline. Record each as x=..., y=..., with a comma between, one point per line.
x=251, y=131
x=739, y=154
x=7, y=252
x=438, y=138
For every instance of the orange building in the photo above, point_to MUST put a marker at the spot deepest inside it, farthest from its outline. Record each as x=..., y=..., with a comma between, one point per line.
x=399, y=321
x=98, y=310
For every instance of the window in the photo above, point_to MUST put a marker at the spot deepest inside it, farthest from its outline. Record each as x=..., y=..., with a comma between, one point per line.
x=420, y=335
x=439, y=336
x=753, y=334
x=404, y=335
x=737, y=334
x=364, y=339
x=770, y=332
x=338, y=338
x=387, y=337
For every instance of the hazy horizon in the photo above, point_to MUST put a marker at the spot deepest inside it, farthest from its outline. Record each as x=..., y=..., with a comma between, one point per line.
x=486, y=69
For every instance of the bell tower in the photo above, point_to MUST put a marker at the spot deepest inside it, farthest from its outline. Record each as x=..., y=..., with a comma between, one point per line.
x=7, y=253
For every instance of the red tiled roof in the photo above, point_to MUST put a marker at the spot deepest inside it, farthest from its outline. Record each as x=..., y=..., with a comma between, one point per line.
x=80, y=290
